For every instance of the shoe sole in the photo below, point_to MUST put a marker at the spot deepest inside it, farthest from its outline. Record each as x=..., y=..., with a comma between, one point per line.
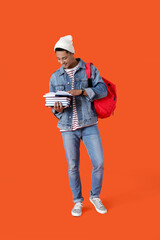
x=76, y=215
x=99, y=211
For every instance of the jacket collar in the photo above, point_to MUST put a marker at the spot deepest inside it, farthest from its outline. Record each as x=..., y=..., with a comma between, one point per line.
x=82, y=64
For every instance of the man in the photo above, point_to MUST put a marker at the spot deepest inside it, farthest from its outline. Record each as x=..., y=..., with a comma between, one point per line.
x=79, y=120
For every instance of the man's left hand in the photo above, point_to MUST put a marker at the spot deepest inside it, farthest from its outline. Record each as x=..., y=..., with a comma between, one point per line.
x=75, y=92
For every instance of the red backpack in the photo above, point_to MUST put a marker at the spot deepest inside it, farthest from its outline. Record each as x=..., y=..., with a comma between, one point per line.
x=104, y=106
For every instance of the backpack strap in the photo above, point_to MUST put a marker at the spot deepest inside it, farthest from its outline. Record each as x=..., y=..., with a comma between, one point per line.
x=88, y=72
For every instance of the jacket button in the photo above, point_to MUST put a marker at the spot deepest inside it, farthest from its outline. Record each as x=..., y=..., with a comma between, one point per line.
x=69, y=116
x=68, y=83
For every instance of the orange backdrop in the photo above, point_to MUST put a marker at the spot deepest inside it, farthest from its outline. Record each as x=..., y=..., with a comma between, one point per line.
x=122, y=39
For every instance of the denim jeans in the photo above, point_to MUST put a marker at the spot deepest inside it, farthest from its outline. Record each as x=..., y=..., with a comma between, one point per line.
x=92, y=141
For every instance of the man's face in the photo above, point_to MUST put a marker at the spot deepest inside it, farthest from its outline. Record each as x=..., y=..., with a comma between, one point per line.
x=65, y=59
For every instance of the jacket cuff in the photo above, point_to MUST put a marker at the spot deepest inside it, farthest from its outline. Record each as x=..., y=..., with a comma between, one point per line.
x=90, y=93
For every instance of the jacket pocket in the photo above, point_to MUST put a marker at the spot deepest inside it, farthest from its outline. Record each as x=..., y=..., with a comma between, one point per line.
x=84, y=83
x=59, y=88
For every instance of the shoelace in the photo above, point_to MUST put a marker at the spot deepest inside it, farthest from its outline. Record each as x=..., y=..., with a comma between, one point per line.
x=99, y=203
x=78, y=205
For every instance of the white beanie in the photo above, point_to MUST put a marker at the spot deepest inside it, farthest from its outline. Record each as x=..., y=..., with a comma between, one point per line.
x=65, y=43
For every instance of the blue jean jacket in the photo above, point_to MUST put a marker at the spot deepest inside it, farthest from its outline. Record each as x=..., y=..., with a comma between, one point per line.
x=84, y=104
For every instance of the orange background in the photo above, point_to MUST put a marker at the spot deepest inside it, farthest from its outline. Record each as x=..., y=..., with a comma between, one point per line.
x=122, y=39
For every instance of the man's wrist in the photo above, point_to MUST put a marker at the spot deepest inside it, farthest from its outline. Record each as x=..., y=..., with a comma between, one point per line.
x=82, y=92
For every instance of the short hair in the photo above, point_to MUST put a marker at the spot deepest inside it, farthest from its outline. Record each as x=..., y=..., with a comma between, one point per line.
x=61, y=49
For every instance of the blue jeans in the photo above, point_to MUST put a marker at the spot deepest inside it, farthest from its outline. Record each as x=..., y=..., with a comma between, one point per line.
x=91, y=139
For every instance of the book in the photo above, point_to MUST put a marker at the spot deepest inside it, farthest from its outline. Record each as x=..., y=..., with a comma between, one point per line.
x=62, y=93
x=52, y=104
x=58, y=94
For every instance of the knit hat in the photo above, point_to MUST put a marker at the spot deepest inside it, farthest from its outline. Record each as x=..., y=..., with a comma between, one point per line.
x=65, y=43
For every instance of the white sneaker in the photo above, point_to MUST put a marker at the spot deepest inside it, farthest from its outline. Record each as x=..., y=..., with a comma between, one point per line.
x=98, y=205
x=77, y=209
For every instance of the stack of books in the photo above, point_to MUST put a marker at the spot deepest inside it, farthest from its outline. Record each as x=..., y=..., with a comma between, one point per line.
x=60, y=96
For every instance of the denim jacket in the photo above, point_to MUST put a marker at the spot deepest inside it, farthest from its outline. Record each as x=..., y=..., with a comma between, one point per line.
x=84, y=104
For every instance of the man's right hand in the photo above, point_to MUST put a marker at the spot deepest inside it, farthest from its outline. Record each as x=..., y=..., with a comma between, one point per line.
x=58, y=107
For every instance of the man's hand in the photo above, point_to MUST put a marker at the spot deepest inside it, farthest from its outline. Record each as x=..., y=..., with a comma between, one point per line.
x=77, y=92
x=58, y=107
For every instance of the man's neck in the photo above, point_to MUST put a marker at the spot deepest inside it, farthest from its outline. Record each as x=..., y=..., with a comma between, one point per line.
x=75, y=63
